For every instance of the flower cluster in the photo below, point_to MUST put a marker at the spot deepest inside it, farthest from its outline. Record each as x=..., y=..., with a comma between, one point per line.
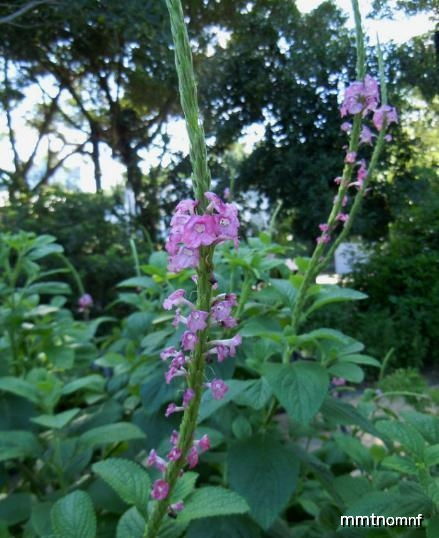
x=361, y=97
x=190, y=232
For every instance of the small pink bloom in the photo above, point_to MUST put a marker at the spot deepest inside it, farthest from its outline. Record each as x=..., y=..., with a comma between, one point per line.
x=366, y=135
x=184, y=258
x=225, y=348
x=174, y=454
x=346, y=126
x=192, y=458
x=360, y=96
x=200, y=230
x=174, y=372
x=189, y=340
x=85, y=302
x=172, y=408
x=338, y=381
x=324, y=238
x=342, y=217
x=338, y=180
x=215, y=202
x=344, y=202
x=384, y=116
x=324, y=227
x=388, y=138
x=203, y=444
x=175, y=299
x=188, y=396
x=175, y=437
x=226, y=193
x=197, y=320
x=186, y=206
x=168, y=352
x=176, y=507
x=178, y=361
x=160, y=490
x=351, y=157
x=154, y=460
x=218, y=388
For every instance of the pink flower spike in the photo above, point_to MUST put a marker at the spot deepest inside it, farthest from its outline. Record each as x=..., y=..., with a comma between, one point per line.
x=192, y=458
x=174, y=454
x=218, y=388
x=172, y=408
x=197, y=320
x=188, y=396
x=360, y=96
x=351, y=157
x=200, y=230
x=189, y=340
x=156, y=461
x=324, y=227
x=160, y=490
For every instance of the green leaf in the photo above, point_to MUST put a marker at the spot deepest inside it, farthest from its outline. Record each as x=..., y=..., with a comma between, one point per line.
x=212, y=501
x=92, y=382
x=131, y=524
x=405, y=434
x=265, y=473
x=56, y=422
x=18, y=444
x=20, y=387
x=155, y=392
x=402, y=465
x=128, y=479
x=185, y=486
x=111, y=433
x=320, y=334
x=73, y=516
x=261, y=326
x=347, y=370
x=346, y=414
x=300, y=387
x=350, y=488
x=426, y=425
x=359, y=359
x=285, y=289
x=334, y=294
x=41, y=310
x=61, y=357
x=209, y=405
x=432, y=455
x=15, y=508
x=48, y=288
x=223, y=526
x=138, y=282
x=355, y=450
x=154, y=340
x=302, y=263
x=255, y=395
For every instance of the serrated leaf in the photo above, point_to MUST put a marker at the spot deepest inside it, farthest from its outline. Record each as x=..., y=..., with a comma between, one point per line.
x=300, y=387
x=255, y=395
x=285, y=289
x=15, y=508
x=320, y=334
x=20, y=387
x=128, y=479
x=138, y=282
x=223, y=526
x=346, y=414
x=111, y=433
x=213, y=501
x=402, y=465
x=432, y=455
x=355, y=450
x=185, y=486
x=56, y=422
x=347, y=370
x=18, y=444
x=131, y=524
x=405, y=434
x=265, y=473
x=155, y=392
x=261, y=326
x=73, y=516
x=334, y=294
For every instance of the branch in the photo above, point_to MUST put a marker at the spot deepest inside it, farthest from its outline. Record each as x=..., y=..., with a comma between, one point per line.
x=24, y=9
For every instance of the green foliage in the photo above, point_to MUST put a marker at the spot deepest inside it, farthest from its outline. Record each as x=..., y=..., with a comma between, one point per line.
x=73, y=516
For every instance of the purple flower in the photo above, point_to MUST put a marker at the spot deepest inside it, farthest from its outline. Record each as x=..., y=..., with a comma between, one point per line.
x=225, y=348
x=199, y=230
x=176, y=507
x=338, y=381
x=203, y=444
x=350, y=158
x=174, y=454
x=218, y=388
x=85, y=302
x=324, y=238
x=192, y=457
x=384, y=116
x=342, y=217
x=174, y=372
x=156, y=461
x=183, y=258
x=172, y=408
x=189, y=340
x=188, y=396
x=160, y=490
x=168, y=352
x=221, y=310
x=366, y=135
x=175, y=299
x=324, y=227
x=175, y=437
x=197, y=320
x=360, y=96
x=186, y=207
x=346, y=126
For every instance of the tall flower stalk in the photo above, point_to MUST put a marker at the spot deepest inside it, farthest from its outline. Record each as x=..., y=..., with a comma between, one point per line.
x=197, y=227
x=362, y=98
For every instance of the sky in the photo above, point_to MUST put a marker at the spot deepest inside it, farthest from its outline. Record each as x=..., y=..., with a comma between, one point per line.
x=401, y=29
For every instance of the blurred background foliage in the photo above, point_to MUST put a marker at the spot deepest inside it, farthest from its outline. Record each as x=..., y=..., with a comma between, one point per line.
x=102, y=77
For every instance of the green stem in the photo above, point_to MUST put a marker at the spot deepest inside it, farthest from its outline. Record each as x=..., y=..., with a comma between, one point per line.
x=201, y=184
